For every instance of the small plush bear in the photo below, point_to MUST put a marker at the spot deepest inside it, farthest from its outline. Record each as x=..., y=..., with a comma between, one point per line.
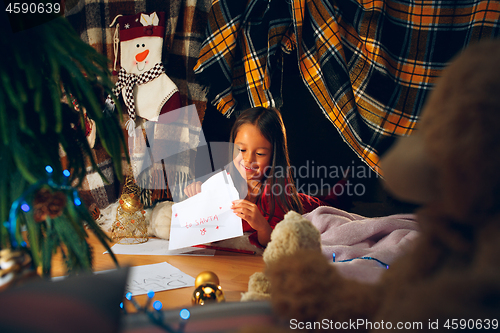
x=450, y=166
x=292, y=235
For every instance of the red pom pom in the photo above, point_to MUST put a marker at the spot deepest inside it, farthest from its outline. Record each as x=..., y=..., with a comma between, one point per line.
x=114, y=73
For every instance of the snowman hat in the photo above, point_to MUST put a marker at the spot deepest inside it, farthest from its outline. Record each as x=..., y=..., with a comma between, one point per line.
x=136, y=26
x=142, y=25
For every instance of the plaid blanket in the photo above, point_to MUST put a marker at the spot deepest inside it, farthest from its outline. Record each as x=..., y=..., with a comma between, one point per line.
x=185, y=23
x=93, y=190
x=369, y=64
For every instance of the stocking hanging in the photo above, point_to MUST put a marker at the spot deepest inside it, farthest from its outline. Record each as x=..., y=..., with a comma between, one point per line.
x=147, y=91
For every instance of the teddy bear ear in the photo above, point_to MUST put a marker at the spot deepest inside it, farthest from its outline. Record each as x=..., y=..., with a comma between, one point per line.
x=408, y=172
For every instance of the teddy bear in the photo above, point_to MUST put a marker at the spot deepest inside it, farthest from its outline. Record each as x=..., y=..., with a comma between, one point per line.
x=449, y=277
x=291, y=235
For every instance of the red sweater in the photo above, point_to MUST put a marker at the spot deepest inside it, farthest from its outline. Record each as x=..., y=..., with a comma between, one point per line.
x=309, y=203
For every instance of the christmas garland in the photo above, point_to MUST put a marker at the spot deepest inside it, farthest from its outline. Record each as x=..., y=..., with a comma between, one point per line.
x=43, y=69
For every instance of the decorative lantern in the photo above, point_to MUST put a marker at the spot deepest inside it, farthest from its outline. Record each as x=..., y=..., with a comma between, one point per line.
x=130, y=226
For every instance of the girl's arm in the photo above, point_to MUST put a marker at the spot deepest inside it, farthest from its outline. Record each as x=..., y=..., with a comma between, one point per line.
x=249, y=212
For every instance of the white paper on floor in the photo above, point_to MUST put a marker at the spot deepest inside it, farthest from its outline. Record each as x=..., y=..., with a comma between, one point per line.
x=156, y=246
x=156, y=277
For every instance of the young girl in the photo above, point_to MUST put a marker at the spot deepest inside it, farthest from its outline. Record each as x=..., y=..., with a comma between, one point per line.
x=261, y=158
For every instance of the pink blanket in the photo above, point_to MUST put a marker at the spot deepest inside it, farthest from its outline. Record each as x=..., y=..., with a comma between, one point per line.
x=351, y=236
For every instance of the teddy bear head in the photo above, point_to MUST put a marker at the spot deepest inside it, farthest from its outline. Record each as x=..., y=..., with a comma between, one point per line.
x=452, y=161
x=291, y=235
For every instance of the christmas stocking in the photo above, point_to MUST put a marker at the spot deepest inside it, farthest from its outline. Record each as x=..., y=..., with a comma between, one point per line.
x=147, y=91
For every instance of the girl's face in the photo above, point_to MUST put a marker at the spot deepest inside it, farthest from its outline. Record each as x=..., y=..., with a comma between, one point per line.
x=252, y=152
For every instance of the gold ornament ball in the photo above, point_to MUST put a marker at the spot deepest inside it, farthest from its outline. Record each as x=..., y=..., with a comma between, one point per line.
x=130, y=203
x=208, y=293
x=206, y=277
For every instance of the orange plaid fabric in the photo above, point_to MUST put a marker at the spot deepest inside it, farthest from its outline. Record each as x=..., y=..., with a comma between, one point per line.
x=240, y=52
x=369, y=64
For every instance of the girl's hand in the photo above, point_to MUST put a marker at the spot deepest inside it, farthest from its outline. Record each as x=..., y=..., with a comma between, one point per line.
x=249, y=212
x=193, y=189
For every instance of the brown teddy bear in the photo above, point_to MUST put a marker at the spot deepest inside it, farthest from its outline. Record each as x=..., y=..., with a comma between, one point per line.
x=290, y=236
x=450, y=278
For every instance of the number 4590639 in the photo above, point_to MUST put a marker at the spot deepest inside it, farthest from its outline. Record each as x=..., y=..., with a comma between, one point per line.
x=461, y=324
x=33, y=8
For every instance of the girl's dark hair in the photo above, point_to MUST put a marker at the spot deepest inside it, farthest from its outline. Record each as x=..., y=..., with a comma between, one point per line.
x=270, y=124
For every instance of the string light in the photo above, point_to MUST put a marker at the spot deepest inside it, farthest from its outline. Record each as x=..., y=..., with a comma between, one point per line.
x=156, y=317
x=151, y=294
x=157, y=305
x=185, y=314
x=25, y=207
x=61, y=194
x=364, y=258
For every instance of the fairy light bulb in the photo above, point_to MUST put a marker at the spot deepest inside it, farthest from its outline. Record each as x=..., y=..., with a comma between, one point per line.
x=157, y=305
x=185, y=314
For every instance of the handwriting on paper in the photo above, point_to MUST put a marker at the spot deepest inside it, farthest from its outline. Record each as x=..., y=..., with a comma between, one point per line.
x=158, y=282
x=202, y=221
x=156, y=277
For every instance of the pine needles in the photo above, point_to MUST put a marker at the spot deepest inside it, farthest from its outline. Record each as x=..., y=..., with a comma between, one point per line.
x=41, y=69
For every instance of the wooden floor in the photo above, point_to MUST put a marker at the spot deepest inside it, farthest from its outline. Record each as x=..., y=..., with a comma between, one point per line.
x=233, y=270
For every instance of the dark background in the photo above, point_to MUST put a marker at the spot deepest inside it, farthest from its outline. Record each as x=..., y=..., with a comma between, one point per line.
x=314, y=141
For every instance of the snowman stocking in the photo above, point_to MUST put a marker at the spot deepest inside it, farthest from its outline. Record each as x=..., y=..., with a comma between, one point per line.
x=147, y=91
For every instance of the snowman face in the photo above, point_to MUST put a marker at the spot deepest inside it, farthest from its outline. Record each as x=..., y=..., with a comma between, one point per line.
x=140, y=54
